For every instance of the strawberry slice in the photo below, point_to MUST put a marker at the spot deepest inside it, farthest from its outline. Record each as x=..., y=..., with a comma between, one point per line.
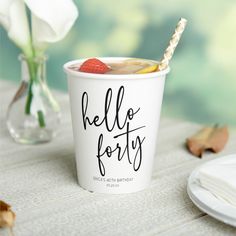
x=93, y=65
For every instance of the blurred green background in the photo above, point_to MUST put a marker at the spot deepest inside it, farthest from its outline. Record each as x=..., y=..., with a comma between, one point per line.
x=201, y=86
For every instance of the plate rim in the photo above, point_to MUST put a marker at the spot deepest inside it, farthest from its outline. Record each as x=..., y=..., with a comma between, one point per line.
x=199, y=202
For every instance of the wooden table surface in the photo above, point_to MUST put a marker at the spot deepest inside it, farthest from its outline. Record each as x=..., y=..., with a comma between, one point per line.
x=40, y=183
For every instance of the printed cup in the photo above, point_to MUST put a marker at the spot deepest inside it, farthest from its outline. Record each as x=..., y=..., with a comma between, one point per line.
x=115, y=123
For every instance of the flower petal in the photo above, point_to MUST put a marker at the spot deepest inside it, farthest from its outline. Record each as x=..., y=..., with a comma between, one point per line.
x=14, y=19
x=51, y=20
x=4, y=13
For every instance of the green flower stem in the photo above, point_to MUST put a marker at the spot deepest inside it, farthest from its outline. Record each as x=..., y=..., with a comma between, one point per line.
x=32, y=73
x=33, y=67
x=41, y=119
x=29, y=99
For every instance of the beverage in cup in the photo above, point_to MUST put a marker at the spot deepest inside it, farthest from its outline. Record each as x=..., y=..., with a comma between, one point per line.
x=115, y=109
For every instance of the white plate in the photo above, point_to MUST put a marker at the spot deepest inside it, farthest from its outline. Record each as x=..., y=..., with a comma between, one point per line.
x=206, y=201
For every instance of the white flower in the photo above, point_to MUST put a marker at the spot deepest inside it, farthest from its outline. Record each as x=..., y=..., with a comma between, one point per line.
x=51, y=20
x=14, y=19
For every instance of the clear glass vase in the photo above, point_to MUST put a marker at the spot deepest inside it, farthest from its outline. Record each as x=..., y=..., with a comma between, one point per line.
x=33, y=115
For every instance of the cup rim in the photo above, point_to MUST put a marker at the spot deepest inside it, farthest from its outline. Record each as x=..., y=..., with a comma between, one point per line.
x=112, y=76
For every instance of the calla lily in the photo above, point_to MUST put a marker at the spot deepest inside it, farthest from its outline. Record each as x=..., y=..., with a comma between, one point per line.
x=14, y=19
x=51, y=21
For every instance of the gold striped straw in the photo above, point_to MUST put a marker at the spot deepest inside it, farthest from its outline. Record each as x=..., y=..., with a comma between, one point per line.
x=172, y=44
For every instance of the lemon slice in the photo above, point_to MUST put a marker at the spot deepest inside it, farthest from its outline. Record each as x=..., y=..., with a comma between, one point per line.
x=147, y=69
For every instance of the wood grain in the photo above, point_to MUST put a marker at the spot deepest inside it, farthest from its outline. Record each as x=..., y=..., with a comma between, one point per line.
x=40, y=183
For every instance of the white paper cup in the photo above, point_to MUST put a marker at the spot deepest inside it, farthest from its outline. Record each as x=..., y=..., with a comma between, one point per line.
x=115, y=122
